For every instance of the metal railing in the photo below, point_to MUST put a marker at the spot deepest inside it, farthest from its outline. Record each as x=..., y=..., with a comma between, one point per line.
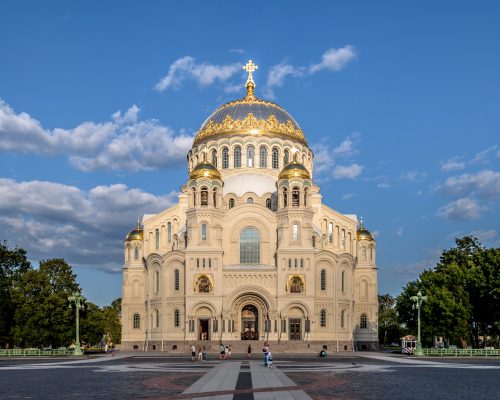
x=35, y=352
x=461, y=352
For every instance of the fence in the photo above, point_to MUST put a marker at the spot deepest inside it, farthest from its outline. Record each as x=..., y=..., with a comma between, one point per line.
x=462, y=352
x=35, y=352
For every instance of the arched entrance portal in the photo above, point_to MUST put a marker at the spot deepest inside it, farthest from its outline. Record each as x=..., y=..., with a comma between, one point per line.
x=249, y=323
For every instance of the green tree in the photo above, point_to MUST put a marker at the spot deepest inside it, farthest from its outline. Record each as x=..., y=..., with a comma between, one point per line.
x=389, y=329
x=112, y=322
x=92, y=324
x=13, y=264
x=42, y=315
x=463, y=296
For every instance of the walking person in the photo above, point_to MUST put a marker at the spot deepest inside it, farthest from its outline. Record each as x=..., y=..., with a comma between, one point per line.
x=249, y=351
x=204, y=354
x=193, y=352
x=265, y=350
x=222, y=352
x=200, y=355
x=269, y=360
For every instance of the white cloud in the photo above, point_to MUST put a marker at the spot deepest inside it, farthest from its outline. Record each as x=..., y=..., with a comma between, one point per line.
x=452, y=165
x=461, y=209
x=122, y=143
x=334, y=59
x=399, y=232
x=413, y=176
x=347, y=171
x=204, y=73
x=348, y=146
x=485, y=234
x=347, y=196
x=482, y=156
x=276, y=77
x=383, y=185
x=85, y=227
x=483, y=184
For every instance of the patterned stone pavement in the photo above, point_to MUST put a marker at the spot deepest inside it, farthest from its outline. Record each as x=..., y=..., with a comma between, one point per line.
x=155, y=376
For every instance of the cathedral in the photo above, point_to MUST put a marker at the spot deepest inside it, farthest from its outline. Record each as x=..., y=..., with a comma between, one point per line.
x=250, y=252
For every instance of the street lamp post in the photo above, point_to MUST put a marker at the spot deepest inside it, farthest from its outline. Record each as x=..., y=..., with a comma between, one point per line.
x=418, y=300
x=79, y=301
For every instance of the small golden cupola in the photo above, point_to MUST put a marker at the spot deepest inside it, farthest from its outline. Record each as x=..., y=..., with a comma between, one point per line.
x=136, y=233
x=205, y=170
x=294, y=169
x=363, y=233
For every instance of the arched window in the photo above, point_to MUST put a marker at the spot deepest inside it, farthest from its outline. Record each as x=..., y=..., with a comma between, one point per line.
x=286, y=157
x=250, y=156
x=295, y=232
x=157, y=238
x=176, y=279
x=136, y=253
x=204, y=196
x=276, y=157
x=285, y=197
x=215, y=197
x=214, y=158
x=169, y=231
x=237, y=157
x=342, y=239
x=203, y=231
x=128, y=252
x=362, y=321
x=268, y=203
x=342, y=319
x=322, y=318
x=194, y=197
x=263, y=157
x=250, y=200
x=314, y=241
x=295, y=197
x=225, y=158
x=137, y=321
x=231, y=203
x=157, y=318
x=157, y=281
x=249, y=246
x=323, y=279
x=343, y=281
x=363, y=253
x=371, y=253
x=176, y=318
x=306, y=192
x=330, y=232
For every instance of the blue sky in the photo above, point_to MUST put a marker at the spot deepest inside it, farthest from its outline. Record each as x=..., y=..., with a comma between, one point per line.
x=399, y=100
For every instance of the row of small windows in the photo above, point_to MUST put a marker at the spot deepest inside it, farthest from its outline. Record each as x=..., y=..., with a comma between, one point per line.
x=157, y=235
x=363, y=319
x=341, y=236
x=295, y=196
x=137, y=319
x=250, y=200
x=203, y=262
x=204, y=196
x=176, y=280
x=136, y=252
x=237, y=151
x=295, y=262
x=323, y=280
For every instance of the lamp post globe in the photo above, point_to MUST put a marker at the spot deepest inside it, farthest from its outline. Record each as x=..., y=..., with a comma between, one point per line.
x=417, y=304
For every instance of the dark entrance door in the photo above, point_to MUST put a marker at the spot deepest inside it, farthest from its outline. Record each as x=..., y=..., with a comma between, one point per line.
x=203, y=332
x=295, y=328
x=249, y=323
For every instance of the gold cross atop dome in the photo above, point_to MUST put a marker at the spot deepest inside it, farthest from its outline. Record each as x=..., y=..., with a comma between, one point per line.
x=250, y=67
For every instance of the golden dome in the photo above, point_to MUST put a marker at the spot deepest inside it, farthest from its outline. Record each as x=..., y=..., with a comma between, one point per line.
x=294, y=170
x=364, y=234
x=250, y=115
x=135, y=234
x=205, y=170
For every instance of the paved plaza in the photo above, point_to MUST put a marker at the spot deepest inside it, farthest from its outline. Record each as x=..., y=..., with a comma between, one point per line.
x=155, y=376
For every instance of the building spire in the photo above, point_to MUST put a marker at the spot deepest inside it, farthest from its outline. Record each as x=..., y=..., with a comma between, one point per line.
x=138, y=222
x=250, y=67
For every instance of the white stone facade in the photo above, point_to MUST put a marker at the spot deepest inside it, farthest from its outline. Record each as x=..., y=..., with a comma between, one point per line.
x=232, y=262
